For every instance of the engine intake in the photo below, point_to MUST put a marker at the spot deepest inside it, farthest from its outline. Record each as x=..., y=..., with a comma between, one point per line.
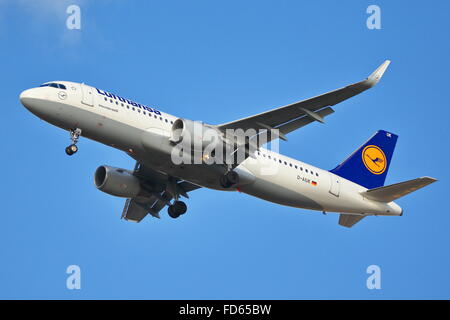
x=117, y=182
x=194, y=134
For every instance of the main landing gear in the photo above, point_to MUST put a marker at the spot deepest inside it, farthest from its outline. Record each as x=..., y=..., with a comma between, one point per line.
x=74, y=135
x=229, y=179
x=177, y=209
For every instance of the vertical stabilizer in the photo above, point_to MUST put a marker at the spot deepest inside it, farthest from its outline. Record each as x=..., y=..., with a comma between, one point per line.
x=369, y=165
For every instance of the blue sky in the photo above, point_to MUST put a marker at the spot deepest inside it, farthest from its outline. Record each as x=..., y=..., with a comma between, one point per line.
x=217, y=62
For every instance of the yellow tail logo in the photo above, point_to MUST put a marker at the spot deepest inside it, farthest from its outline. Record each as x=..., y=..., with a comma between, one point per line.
x=374, y=159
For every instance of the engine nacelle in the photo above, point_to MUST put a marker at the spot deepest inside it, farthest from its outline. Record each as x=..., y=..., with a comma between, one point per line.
x=117, y=182
x=195, y=134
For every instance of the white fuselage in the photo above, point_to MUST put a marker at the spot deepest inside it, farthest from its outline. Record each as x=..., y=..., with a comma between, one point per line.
x=143, y=132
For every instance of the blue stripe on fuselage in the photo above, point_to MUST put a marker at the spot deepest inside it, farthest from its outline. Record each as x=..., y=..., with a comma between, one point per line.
x=134, y=104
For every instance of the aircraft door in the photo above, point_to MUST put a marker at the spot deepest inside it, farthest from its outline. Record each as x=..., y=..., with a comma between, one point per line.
x=335, y=185
x=87, y=95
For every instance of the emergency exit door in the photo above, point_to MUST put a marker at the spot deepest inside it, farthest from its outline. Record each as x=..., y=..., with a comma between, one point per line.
x=335, y=185
x=87, y=95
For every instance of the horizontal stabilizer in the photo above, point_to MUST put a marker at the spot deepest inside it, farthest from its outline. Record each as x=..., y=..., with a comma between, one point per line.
x=398, y=190
x=349, y=220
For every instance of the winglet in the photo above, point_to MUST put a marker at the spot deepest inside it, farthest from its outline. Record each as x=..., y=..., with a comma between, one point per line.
x=375, y=77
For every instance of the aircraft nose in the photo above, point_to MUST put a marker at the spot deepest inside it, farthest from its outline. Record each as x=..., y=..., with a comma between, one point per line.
x=30, y=99
x=26, y=96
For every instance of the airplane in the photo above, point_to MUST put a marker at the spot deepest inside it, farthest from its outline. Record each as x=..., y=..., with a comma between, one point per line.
x=354, y=189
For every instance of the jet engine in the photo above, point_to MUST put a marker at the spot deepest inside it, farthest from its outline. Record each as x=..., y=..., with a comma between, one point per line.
x=194, y=134
x=194, y=137
x=117, y=182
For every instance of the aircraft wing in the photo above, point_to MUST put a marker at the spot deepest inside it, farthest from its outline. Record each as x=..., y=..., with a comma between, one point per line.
x=161, y=189
x=299, y=114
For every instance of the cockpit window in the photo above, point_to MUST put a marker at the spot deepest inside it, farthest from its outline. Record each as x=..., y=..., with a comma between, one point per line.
x=54, y=85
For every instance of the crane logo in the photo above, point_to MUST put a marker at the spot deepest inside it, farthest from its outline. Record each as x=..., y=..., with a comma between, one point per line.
x=374, y=159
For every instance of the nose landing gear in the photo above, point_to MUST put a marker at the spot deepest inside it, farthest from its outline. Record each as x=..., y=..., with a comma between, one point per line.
x=74, y=136
x=72, y=149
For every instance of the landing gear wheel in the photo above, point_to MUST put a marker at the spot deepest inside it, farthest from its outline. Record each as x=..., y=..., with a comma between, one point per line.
x=180, y=207
x=229, y=179
x=171, y=212
x=72, y=149
x=74, y=135
x=177, y=209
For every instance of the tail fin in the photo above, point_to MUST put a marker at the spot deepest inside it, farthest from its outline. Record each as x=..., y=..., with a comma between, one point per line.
x=368, y=166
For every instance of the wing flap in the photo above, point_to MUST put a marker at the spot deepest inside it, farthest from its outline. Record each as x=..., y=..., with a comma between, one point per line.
x=133, y=211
